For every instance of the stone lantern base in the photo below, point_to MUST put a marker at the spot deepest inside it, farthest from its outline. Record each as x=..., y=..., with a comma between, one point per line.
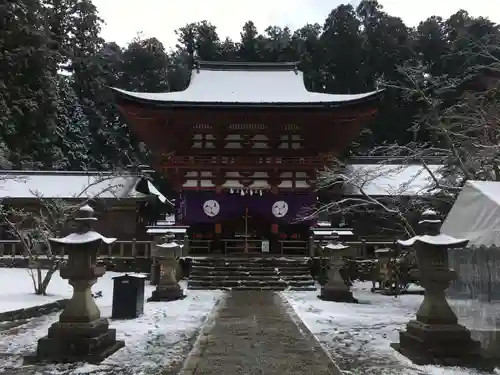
x=337, y=294
x=443, y=345
x=78, y=342
x=167, y=293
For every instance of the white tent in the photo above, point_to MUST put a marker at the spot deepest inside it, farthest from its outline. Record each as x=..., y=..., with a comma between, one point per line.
x=476, y=214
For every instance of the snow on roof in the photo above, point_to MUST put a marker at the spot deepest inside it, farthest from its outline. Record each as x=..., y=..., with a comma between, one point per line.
x=24, y=184
x=234, y=83
x=439, y=240
x=388, y=179
x=83, y=238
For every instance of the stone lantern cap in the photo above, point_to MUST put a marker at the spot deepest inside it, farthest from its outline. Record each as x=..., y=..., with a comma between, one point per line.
x=168, y=242
x=84, y=234
x=85, y=213
x=335, y=246
x=169, y=245
x=431, y=224
x=383, y=250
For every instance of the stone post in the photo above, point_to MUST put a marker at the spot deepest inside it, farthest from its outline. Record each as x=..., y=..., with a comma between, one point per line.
x=311, y=245
x=185, y=246
x=168, y=288
x=336, y=289
x=435, y=337
x=153, y=279
x=81, y=334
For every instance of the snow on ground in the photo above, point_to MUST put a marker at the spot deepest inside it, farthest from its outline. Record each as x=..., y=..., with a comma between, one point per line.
x=16, y=290
x=358, y=336
x=158, y=339
x=482, y=318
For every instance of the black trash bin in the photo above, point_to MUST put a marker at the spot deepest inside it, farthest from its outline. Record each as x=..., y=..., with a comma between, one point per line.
x=128, y=296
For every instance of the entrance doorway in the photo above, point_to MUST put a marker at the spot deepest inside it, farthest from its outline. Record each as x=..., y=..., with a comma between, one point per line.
x=245, y=234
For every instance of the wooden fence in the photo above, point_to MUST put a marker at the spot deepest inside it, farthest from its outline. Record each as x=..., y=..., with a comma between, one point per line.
x=121, y=249
x=142, y=249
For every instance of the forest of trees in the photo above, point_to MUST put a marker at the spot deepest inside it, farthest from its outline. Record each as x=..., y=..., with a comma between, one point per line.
x=57, y=112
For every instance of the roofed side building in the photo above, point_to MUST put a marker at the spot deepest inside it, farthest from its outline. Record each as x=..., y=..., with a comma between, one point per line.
x=116, y=197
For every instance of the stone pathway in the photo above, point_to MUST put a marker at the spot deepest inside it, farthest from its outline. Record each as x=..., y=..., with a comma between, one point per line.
x=255, y=333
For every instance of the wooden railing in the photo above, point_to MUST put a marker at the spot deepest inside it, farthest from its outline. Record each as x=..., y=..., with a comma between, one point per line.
x=237, y=246
x=290, y=247
x=142, y=249
x=122, y=249
x=229, y=162
x=200, y=247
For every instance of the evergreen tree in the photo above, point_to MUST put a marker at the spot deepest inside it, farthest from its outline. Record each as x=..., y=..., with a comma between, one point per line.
x=71, y=118
x=28, y=88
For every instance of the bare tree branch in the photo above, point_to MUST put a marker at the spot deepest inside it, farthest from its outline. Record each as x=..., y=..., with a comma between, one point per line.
x=34, y=228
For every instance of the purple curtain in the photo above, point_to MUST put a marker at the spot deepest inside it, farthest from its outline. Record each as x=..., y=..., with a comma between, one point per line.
x=210, y=207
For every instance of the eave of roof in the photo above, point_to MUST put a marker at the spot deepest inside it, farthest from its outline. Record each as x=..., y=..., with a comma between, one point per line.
x=126, y=97
x=245, y=85
x=26, y=185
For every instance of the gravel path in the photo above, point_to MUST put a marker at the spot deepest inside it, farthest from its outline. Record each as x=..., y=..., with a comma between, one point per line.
x=254, y=333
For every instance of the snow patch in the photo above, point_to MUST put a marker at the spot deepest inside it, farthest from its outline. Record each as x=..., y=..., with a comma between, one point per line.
x=160, y=338
x=358, y=336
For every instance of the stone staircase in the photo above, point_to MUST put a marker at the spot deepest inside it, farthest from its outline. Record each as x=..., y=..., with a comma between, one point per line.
x=250, y=273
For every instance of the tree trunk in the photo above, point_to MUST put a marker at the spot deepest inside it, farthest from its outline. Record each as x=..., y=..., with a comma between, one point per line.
x=43, y=284
x=38, y=281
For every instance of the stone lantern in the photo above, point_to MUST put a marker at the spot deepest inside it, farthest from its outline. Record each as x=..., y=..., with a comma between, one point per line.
x=435, y=337
x=384, y=272
x=336, y=289
x=81, y=334
x=168, y=289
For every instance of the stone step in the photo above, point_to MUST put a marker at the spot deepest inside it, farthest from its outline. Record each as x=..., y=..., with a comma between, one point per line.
x=296, y=277
x=234, y=277
x=236, y=288
x=238, y=283
x=250, y=262
x=301, y=288
x=253, y=266
x=300, y=282
x=231, y=267
x=291, y=288
x=249, y=282
x=248, y=275
x=233, y=273
x=293, y=271
x=234, y=282
x=243, y=274
x=237, y=273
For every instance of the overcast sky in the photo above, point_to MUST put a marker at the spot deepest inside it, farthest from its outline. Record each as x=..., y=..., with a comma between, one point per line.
x=160, y=18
